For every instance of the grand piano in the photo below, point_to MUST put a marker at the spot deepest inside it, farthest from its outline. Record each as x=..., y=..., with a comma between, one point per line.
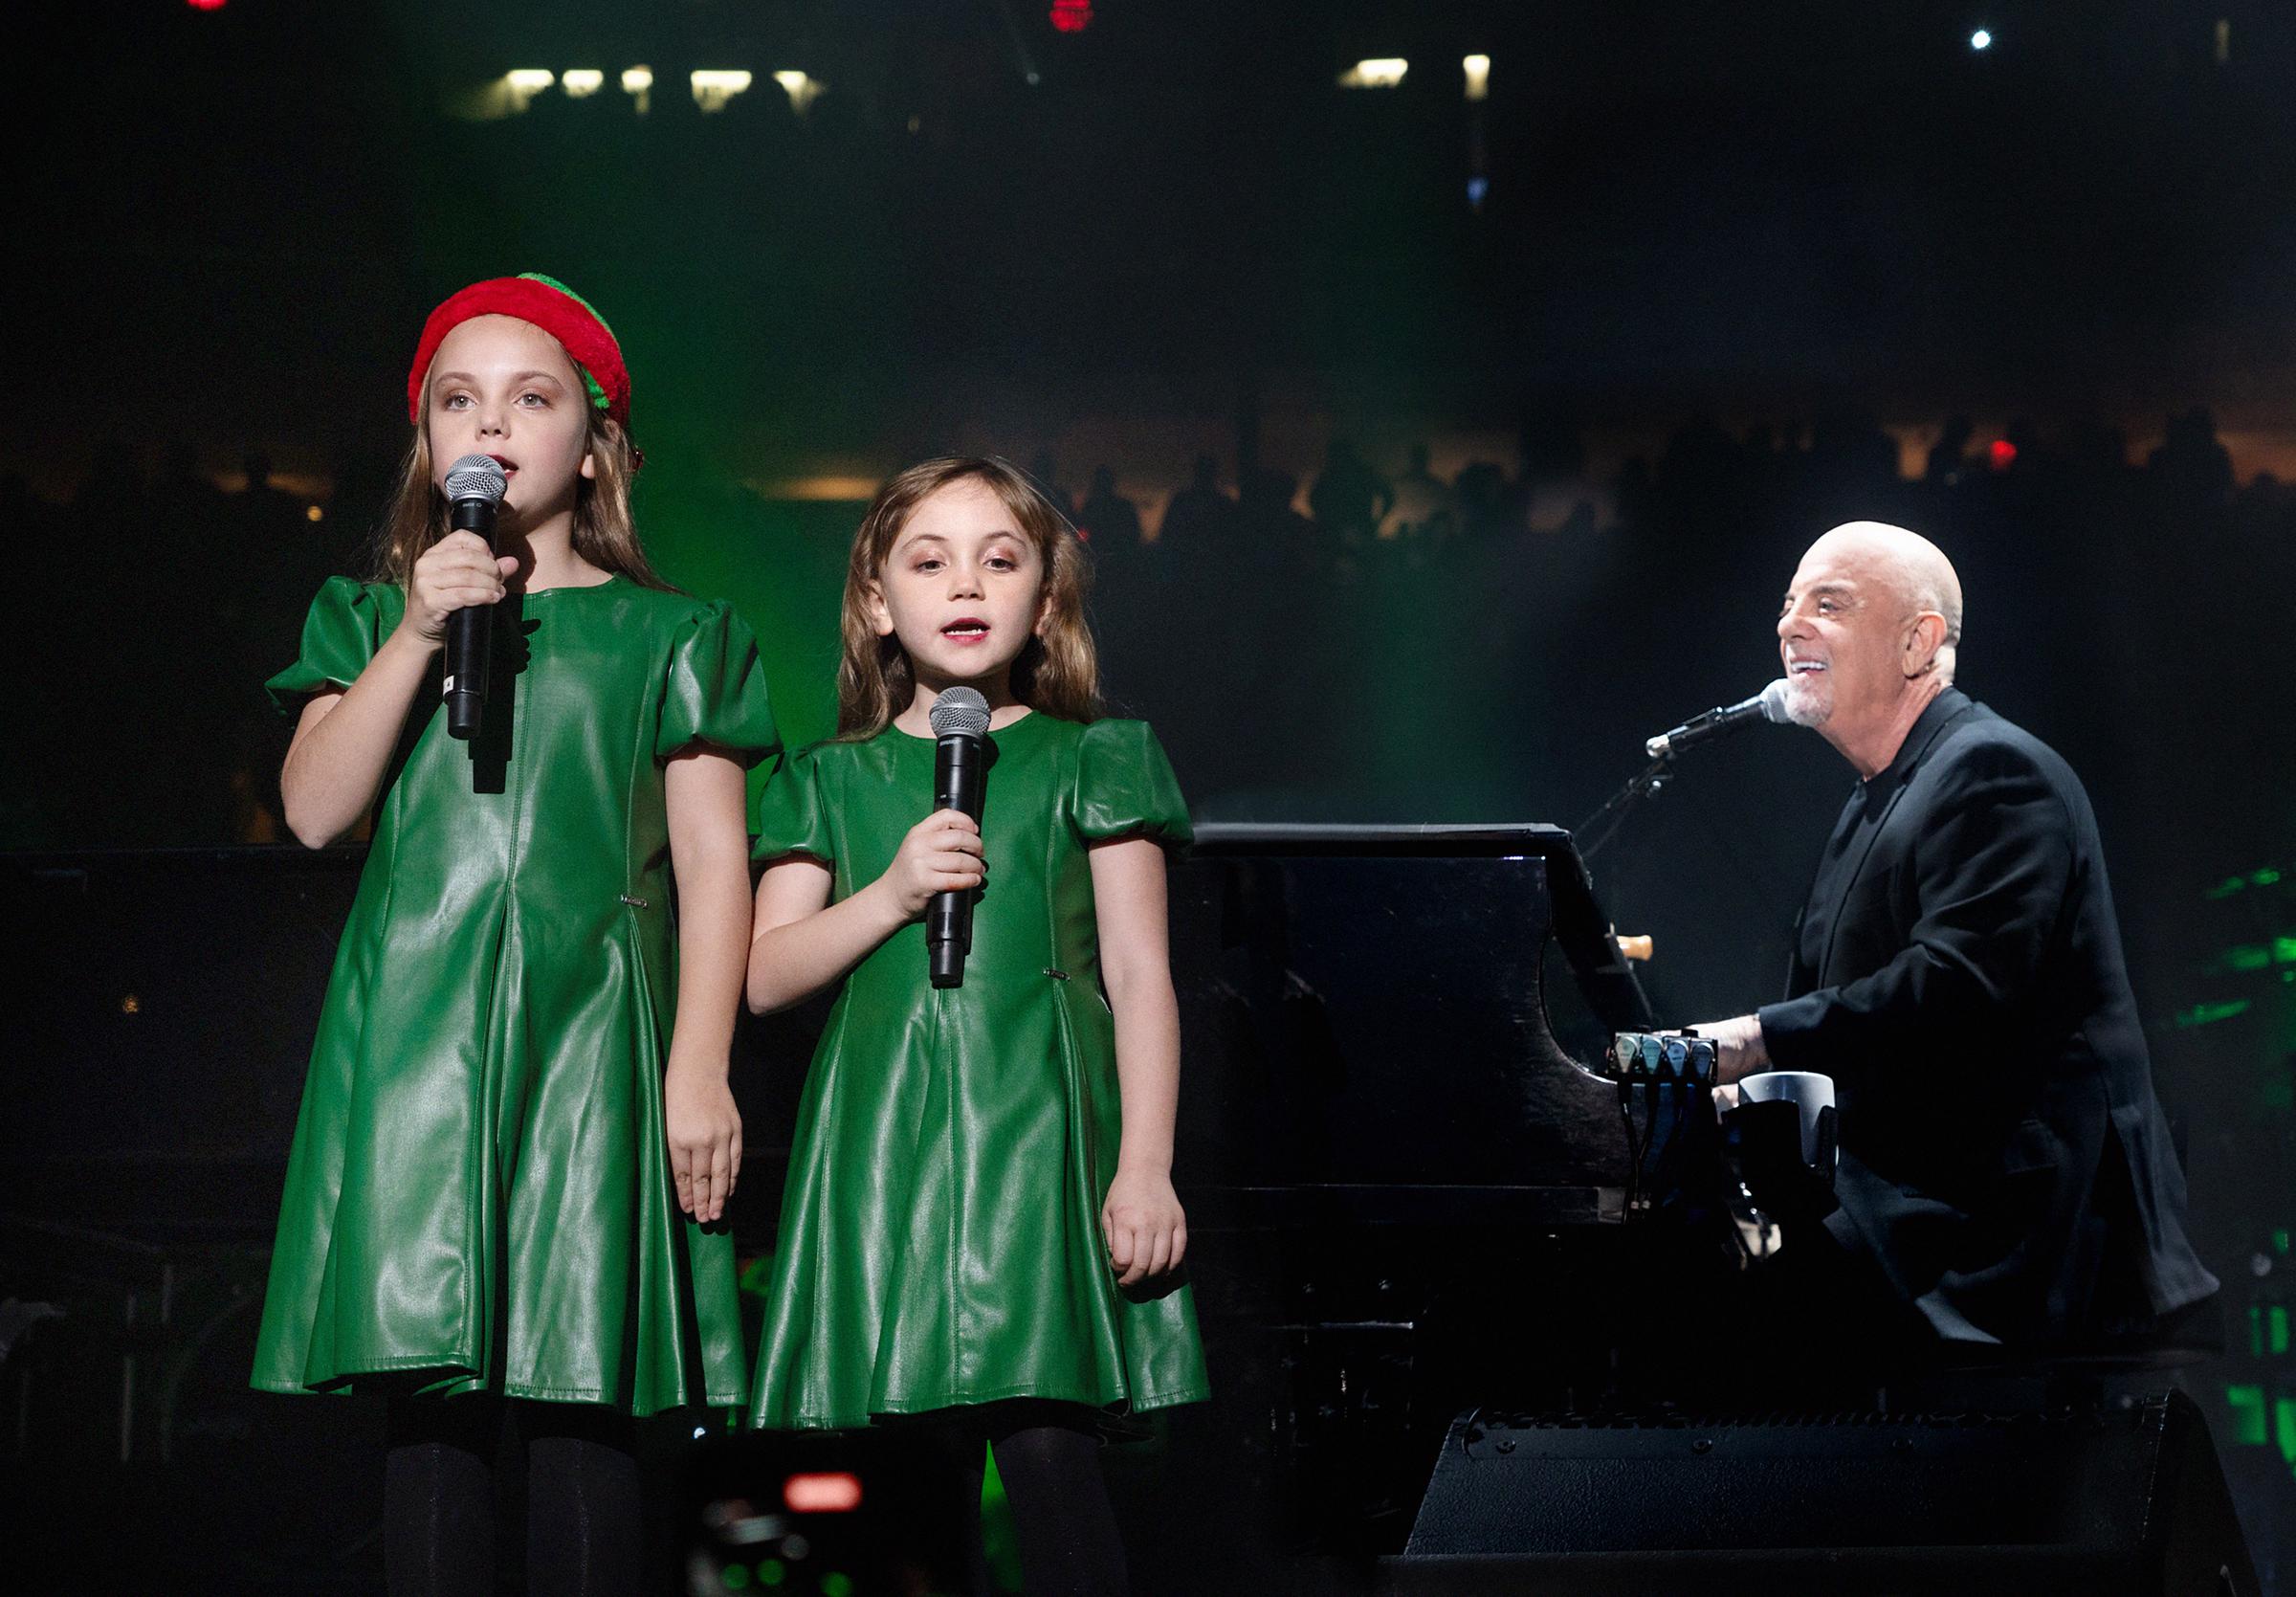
x=1406, y=1188
x=1384, y=1023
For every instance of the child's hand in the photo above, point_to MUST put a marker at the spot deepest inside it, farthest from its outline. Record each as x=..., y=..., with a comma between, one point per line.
x=457, y=570
x=940, y=855
x=1147, y=1234
x=705, y=1138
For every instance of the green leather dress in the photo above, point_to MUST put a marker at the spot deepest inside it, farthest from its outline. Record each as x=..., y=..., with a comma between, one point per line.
x=941, y=1239
x=478, y=1196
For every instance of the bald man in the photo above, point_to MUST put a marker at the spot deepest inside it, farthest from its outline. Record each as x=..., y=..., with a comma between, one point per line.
x=2006, y=1175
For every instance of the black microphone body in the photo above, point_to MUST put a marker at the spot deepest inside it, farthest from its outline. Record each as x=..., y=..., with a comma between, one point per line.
x=960, y=757
x=470, y=636
x=475, y=488
x=958, y=762
x=1769, y=705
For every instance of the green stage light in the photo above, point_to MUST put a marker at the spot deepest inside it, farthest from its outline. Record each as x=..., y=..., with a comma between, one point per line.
x=2248, y=1405
x=2208, y=1015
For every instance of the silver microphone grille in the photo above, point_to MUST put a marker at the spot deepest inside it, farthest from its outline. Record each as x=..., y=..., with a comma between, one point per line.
x=1774, y=703
x=959, y=712
x=476, y=476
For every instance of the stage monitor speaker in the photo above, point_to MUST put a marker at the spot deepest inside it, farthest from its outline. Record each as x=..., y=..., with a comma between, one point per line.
x=2114, y=1500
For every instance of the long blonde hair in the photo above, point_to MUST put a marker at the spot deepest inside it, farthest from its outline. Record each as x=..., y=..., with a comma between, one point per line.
x=1058, y=672
x=604, y=534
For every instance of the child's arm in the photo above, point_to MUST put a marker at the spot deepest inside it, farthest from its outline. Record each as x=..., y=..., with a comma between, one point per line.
x=708, y=855
x=803, y=943
x=343, y=740
x=1147, y=1234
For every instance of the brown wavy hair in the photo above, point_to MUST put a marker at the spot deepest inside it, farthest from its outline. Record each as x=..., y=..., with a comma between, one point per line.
x=604, y=533
x=1059, y=671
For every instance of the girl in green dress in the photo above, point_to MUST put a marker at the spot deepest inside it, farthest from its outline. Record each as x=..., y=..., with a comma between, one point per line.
x=499, y=1198
x=979, y=1223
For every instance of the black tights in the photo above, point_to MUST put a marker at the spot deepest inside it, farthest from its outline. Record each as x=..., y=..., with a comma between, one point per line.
x=583, y=1520
x=1049, y=1458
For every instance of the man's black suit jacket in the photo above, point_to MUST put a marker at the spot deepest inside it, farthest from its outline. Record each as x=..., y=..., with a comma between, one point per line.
x=1959, y=975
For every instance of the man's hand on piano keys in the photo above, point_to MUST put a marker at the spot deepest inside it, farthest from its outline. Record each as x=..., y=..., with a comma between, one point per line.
x=1738, y=1046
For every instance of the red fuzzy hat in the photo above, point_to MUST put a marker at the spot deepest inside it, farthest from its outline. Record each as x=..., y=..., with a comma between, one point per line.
x=550, y=305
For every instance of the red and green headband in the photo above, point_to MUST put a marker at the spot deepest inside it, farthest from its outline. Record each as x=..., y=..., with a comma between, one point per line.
x=550, y=305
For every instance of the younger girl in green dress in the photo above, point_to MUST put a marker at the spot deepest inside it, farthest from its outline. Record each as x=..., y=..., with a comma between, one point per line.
x=507, y=1152
x=979, y=1223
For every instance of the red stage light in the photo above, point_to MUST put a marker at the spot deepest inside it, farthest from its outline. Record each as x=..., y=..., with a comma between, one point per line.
x=2002, y=453
x=205, y=5
x=830, y=1493
x=1071, y=16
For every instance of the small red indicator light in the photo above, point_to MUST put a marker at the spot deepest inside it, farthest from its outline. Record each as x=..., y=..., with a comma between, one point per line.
x=834, y=1493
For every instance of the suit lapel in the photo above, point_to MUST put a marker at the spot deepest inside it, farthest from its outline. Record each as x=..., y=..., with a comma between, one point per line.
x=1901, y=773
x=1849, y=884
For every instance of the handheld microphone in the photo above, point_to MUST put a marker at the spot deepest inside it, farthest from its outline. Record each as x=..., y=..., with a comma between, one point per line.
x=475, y=487
x=1769, y=705
x=959, y=767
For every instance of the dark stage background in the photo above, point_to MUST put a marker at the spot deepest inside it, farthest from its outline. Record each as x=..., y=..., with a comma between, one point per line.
x=1518, y=407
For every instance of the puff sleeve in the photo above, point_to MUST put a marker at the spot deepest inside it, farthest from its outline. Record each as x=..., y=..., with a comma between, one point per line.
x=715, y=689
x=1125, y=787
x=340, y=633
x=791, y=817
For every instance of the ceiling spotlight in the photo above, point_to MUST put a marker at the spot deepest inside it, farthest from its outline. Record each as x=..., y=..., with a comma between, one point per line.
x=1382, y=71
x=801, y=89
x=713, y=90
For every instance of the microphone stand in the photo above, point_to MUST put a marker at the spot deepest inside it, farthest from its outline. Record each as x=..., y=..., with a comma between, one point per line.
x=1644, y=784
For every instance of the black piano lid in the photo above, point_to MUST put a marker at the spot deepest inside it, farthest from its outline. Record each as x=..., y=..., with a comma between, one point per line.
x=1581, y=929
